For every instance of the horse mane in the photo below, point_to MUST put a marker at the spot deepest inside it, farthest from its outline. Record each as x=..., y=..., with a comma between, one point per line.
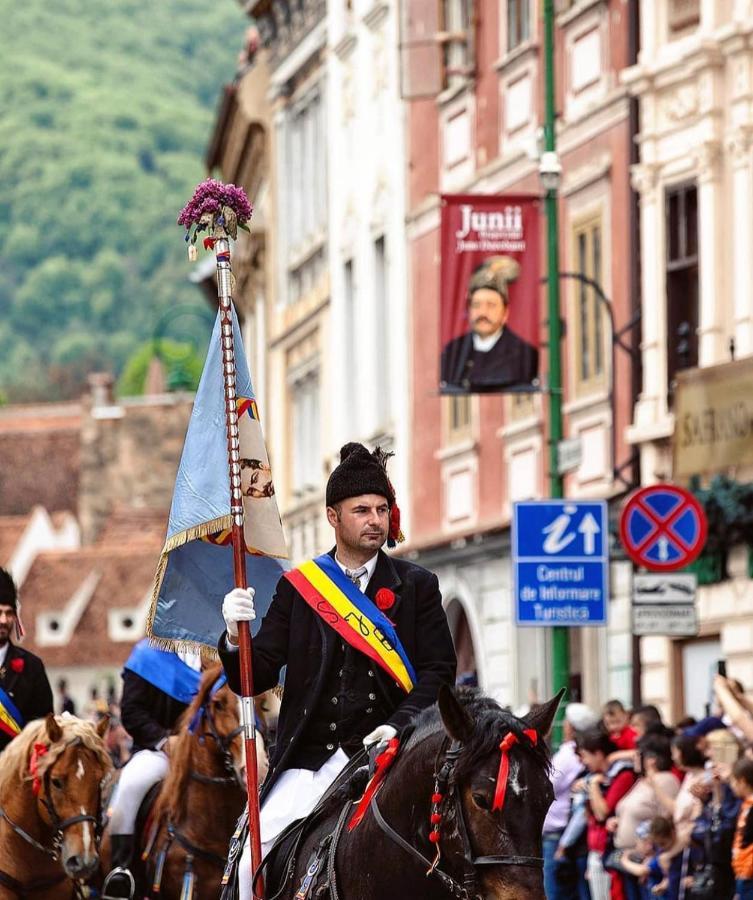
x=491, y=723
x=172, y=798
x=15, y=758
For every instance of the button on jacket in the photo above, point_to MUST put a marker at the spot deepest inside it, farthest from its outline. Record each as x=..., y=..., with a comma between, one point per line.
x=318, y=669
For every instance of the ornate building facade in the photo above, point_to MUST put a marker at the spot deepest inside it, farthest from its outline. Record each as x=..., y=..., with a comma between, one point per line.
x=321, y=282
x=477, y=130
x=694, y=83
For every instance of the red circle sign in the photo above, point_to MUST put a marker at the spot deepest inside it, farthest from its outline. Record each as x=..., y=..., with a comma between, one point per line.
x=663, y=527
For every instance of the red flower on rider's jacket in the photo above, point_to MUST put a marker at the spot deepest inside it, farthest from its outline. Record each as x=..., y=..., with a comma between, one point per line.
x=384, y=598
x=17, y=664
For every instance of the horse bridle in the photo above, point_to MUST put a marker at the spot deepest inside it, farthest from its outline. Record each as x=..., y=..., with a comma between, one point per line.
x=446, y=785
x=59, y=827
x=224, y=742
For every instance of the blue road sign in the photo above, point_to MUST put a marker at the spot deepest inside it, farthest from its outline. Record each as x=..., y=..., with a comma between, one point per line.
x=560, y=557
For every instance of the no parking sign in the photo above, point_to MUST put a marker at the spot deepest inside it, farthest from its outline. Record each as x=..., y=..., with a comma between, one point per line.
x=663, y=527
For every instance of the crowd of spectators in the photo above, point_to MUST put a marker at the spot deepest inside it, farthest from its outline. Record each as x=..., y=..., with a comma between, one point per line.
x=645, y=810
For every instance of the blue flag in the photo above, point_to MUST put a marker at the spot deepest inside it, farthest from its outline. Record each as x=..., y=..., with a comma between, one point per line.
x=196, y=567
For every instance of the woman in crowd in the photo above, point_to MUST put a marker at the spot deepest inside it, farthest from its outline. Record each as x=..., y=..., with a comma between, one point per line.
x=641, y=803
x=606, y=785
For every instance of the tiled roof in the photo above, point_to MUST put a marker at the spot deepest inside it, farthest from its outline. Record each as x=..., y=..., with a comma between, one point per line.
x=126, y=575
x=11, y=529
x=131, y=527
x=39, y=464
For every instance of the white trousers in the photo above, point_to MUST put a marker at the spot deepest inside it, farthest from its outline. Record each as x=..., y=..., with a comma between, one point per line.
x=294, y=796
x=599, y=880
x=142, y=770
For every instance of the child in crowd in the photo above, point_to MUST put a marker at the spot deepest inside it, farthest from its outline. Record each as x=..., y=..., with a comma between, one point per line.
x=742, y=848
x=654, y=838
x=617, y=723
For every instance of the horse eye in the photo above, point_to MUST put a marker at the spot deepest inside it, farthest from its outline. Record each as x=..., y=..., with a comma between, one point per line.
x=57, y=783
x=481, y=800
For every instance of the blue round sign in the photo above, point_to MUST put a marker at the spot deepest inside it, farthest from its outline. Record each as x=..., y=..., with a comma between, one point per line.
x=663, y=527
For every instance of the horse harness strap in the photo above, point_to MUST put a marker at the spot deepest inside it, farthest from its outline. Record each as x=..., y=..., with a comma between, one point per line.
x=208, y=855
x=212, y=779
x=50, y=851
x=23, y=891
x=448, y=881
x=445, y=787
x=327, y=850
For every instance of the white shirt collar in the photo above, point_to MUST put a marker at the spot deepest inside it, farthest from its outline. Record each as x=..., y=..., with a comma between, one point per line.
x=4, y=653
x=485, y=344
x=370, y=565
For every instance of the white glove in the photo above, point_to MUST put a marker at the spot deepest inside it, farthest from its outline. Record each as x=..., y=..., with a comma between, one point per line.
x=238, y=606
x=380, y=735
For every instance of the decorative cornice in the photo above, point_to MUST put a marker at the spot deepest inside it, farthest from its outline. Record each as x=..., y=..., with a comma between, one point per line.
x=708, y=157
x=739, y=143
x=577, y=10
x=285, y=23
x=644, y=177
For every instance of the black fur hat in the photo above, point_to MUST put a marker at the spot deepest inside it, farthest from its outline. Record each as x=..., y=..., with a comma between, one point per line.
x=8, y=591
x=359, y=472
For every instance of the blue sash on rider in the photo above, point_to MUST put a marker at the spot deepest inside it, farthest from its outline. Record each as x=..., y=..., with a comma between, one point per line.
x=165, y=670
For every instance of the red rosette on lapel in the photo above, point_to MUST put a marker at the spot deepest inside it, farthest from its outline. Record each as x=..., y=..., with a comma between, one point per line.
x=384, y=599
x=17, y=665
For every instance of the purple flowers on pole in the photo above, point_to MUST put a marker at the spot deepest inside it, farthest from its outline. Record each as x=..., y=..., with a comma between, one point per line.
x=220, y=209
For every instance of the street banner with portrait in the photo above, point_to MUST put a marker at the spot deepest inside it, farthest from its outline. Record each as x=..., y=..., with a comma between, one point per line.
x=490, y=290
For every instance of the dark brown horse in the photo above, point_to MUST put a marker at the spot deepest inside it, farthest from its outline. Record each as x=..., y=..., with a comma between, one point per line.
x=184, y=843
x=472, y=775
x=51, y=778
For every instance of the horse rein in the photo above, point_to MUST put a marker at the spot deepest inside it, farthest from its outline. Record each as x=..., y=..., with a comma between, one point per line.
x=446, y=789
x=59, y=825
x=223, y=742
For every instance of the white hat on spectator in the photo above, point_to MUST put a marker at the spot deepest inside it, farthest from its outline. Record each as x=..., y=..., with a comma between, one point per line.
x=581, y=717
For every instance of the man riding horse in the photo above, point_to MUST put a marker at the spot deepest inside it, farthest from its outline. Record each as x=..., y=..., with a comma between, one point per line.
x=157, y=688
x=364, y=637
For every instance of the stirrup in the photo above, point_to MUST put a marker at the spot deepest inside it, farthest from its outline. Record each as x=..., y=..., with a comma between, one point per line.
x=119, y=870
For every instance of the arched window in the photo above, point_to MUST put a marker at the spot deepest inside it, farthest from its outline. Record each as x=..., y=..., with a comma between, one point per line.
x=467, y=673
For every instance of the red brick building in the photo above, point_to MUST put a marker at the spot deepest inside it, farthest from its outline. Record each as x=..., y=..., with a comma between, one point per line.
x=473, y=456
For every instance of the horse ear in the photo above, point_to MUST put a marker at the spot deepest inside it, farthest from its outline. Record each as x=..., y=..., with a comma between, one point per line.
x=456, y=720
x=542, y=715
x=54, y=731
x=103, y=725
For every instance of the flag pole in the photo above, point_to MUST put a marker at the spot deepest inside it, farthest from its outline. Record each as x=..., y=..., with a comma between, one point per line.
x=248, y=719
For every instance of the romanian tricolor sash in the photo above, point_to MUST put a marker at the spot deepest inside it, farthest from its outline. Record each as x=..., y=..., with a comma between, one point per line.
x=11, y=720
x=334, y=597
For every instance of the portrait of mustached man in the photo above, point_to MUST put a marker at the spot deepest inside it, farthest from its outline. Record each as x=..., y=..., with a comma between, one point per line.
x=489, y=357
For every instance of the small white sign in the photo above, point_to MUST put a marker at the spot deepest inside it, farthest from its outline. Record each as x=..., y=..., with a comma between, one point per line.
x=569, y=455
x=665, y=588
x=666, y=620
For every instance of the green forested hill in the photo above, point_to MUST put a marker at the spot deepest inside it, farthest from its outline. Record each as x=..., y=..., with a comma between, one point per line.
x=105, y=112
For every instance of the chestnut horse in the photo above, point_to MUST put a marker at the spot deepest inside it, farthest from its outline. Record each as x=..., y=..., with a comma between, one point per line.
x=459, y=814
x=51, y=780
x=184, y=845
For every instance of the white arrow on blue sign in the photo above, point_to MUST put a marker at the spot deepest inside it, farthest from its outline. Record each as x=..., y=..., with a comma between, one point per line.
x=560, y=556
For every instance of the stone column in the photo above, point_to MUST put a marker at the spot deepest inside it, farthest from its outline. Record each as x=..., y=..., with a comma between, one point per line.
x=739, y=145
x=712, y=269
x=652, y=403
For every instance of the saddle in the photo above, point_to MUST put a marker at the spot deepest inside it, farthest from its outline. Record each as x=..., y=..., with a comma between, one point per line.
x=278, y=866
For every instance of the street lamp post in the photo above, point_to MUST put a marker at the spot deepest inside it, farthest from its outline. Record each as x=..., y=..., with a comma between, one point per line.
x=550, y=171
